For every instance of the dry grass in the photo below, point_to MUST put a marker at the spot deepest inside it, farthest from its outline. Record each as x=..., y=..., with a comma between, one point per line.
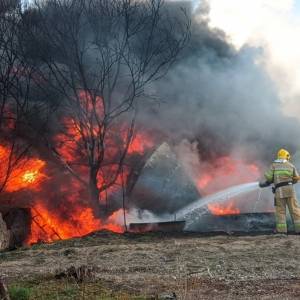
x=154, y=266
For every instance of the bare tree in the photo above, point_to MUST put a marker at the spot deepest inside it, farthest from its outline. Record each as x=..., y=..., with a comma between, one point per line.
x=14, y=78
x=101, y=55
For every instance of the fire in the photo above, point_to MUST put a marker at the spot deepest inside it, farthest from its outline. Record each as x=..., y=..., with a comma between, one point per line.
x=27, y=176
x=222, y=173
x=30, y=176
x=225, y=172
x=223, y=209
x=72, y=216
x=25, y=173
x=140, y=143
x=48, y=226
x=204, y=181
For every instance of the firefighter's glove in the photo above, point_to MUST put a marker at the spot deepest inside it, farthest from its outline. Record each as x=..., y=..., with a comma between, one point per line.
x=264, y=184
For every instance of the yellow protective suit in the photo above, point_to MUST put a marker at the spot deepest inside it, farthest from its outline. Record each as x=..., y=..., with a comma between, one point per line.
x=282, y=174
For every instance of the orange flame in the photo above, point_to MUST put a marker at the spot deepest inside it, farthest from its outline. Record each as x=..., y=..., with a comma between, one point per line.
x=223, y=173
x=27, y=176
x=140, y=144
x=24, y=174
x=223, y=209
x=72, y=216
x=48, y=226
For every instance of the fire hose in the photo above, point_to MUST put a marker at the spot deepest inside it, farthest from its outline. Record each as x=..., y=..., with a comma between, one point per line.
x=278, y=185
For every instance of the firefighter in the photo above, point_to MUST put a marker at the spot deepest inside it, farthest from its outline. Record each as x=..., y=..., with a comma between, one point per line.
x=283, y=174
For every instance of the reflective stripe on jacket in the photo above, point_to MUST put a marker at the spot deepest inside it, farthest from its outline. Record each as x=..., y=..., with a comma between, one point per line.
x=282, y=170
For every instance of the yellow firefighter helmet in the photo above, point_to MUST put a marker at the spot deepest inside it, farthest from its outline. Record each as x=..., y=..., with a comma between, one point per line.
x=283, y=154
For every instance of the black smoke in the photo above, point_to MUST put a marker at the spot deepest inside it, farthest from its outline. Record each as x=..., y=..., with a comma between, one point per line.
x=214, y=95
x=222, y=98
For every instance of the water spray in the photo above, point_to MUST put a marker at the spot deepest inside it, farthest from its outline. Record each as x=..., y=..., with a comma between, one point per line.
x=218, y=197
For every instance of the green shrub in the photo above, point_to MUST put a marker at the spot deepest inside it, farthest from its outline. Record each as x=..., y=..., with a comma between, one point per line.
x=19, y=293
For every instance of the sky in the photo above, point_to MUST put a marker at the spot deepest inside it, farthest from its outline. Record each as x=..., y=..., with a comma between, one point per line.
x=297, y=8
x=274, y=27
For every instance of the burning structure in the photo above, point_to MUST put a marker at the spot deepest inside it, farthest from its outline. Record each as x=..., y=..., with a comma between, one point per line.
x=80, y=115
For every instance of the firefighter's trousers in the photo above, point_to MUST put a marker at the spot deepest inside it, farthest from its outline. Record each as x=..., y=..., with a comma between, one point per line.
x=280, y=211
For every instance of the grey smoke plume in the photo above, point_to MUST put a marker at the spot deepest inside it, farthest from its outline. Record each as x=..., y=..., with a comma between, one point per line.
x=219, y=102
x=223, y=99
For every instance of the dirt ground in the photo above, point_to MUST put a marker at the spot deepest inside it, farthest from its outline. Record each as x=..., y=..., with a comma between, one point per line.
x=159, y=266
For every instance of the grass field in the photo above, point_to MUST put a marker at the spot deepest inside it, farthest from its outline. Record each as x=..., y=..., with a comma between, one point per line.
x=156, y=266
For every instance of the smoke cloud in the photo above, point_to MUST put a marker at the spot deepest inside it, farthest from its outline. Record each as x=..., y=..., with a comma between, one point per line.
x=275, y=28
x=223, y=99
x=221, y=106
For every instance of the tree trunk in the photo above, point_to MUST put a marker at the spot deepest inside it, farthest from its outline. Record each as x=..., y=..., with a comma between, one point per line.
x=94, y=199
x=99, y=210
